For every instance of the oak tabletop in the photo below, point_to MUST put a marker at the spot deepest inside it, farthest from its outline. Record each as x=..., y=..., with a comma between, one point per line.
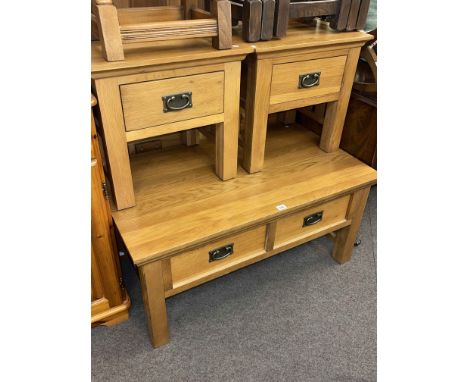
x=165, y=52
x=180, y=203
x=301, y=35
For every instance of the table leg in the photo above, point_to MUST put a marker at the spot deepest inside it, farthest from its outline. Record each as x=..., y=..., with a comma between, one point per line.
x=108, y=93
x=345, y=237
x=152, y=288
x=191, y=137
x=287, y=117
x=227, y=133
x=256, y=113
x=336, y=110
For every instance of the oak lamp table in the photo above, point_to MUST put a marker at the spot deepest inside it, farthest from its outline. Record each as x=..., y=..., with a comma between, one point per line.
x=307, y=67
x=187, y=228
x=162, y=88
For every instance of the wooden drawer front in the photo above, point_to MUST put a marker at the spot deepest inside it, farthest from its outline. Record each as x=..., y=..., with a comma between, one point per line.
x=285, y=79
x=143, y=104
x=291, y=228
x=195, y=265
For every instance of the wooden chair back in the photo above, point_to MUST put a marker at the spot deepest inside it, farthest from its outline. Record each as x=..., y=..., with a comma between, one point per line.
x=118, y=26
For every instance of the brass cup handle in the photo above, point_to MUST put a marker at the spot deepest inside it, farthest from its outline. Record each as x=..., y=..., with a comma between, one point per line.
x=175, y=108
x=304, y=80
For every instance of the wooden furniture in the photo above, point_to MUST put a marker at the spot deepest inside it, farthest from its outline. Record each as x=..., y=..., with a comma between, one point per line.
x=308, y=67
x=165, y=87
x=187, y=228
x=359, y=137
x=265, y=19
x=257, y=18
x=118, y=26
x=343, y=15
x=109, y=300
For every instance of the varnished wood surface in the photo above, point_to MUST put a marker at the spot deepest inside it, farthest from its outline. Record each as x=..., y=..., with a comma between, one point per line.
x=306, y=36
x=164, y=52
x=291, y=229
x=285, y=78
x=143, y=105
x=181, y=204
x=109, y=300
x=179, y=51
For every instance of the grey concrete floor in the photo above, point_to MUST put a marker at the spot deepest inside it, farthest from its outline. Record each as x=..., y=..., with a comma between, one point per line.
x=297, y=316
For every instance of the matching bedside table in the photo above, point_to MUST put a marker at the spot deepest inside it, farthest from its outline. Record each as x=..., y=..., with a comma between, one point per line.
x=309, y=66
x=165, y=87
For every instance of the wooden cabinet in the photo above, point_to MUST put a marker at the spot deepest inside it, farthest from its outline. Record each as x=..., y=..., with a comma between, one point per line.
x=168, y=87
x=109, y=300
x=308, y=67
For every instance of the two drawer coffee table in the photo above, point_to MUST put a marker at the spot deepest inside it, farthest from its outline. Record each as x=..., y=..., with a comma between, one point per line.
x=188, y=227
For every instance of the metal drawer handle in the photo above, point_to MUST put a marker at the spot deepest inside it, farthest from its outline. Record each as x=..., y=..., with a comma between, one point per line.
x=309, y=80
x=221, y=252
x=176, y=102
x=313, y=219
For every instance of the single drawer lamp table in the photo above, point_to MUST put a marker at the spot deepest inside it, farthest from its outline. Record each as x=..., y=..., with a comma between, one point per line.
x=309, y=66
x=162, y=88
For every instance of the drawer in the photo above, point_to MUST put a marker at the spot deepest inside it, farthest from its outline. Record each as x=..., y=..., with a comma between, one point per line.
x=308, y=222
x=290, y=81
x=206, y=261
x=143, y=104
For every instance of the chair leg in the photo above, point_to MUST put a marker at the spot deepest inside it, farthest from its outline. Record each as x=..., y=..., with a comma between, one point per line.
x=109, y=32
x=221, y=11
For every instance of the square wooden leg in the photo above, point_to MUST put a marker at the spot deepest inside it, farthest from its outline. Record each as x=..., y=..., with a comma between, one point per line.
x=287, y=117
x=256, y=113
x=227, y=133
x=152, y=288
x=345, y=237
x=191, y=137
x=336, y=111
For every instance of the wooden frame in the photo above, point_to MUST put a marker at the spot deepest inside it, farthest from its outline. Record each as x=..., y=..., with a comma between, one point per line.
x=129, y=25
x=265, y=19
x=116, y=137
x=109, y=299
x=257, y=18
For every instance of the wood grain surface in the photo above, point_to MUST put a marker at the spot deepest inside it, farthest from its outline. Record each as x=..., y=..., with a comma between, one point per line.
x=143, y=105
x=181, y=204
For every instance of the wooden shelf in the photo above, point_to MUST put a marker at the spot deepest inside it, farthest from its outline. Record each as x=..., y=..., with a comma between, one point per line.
x=181, y=204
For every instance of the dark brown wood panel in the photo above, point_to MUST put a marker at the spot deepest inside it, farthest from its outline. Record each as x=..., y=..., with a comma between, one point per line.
x=313, y=8
x=340, y=20
x=353, y=15
x=268, y=17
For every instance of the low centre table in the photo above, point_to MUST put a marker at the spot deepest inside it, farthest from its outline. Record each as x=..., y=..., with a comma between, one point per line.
x=188, y=227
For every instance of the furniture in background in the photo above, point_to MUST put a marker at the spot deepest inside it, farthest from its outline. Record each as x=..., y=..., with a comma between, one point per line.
x=118, y=26
x=165, y=87
x=343, y=15
x=109, y=299
x=308, y=67
x=265, y=19
x=359, y=136
x=257, y=18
